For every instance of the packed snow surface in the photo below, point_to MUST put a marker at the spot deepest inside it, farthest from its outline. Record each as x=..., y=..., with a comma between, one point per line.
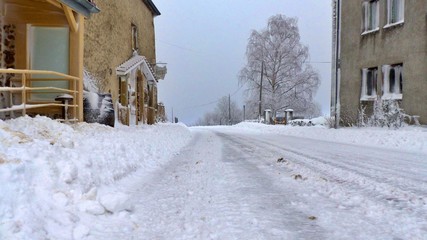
x=52, y=175
x=249, y=181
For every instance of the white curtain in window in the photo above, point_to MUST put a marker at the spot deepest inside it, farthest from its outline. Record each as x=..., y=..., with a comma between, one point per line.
x=370, y=19
x=396, y=10
x=364, y=80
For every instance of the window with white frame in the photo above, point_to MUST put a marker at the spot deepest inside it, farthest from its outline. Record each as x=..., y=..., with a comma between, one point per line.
x=370, y=21
x=395, y=11
x=392, y=81
x=369, y=84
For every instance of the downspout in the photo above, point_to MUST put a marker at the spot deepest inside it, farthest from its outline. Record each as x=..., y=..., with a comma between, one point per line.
x=337, y=64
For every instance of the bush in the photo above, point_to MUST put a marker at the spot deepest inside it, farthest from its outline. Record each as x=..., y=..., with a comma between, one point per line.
x=386, y=113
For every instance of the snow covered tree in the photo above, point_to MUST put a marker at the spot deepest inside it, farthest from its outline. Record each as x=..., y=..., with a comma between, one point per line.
x=221, y=114
x=288, y=80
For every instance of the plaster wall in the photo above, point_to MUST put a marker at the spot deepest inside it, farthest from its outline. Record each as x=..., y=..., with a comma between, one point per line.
x=403, y=43
x=108, y=39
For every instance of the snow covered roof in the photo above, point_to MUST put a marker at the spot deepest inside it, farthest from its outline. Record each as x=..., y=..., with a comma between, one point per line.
x=133, y=63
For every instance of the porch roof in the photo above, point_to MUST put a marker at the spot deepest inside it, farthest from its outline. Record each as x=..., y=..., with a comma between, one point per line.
x=133, y=63
x=85, y=7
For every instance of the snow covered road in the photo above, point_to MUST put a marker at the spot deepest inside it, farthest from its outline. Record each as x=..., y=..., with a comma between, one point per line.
x=228, y=184
x=249, y=181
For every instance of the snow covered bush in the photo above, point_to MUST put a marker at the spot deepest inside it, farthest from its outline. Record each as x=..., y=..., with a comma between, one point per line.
x=319, y=121
x=330, y=122
x=386, y=113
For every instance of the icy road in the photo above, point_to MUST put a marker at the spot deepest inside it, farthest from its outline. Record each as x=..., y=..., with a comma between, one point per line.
x=232, y=184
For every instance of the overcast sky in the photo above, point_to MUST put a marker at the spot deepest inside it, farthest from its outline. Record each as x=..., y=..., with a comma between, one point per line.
x=204, y=44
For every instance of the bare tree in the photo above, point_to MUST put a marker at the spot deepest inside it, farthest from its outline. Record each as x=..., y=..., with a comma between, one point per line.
x=226, y=112
x=289, y=81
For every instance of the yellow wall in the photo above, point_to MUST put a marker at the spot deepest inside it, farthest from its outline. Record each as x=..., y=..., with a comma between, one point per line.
x=108, y=39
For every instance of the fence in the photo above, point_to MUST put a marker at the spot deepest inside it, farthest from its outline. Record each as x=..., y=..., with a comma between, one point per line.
x=19, y=95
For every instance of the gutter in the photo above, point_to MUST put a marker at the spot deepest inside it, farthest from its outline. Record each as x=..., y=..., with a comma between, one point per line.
x=152, y=7
x=83, y=7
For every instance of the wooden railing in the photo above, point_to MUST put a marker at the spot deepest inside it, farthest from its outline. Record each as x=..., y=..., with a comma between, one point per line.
x=23, y=86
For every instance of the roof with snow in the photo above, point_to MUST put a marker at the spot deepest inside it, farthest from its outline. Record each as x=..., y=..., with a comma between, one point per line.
x=85, y=7
x=133, y=63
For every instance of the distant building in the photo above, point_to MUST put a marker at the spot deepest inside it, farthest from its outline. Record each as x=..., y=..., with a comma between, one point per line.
x=120, y=51
x=381, y=54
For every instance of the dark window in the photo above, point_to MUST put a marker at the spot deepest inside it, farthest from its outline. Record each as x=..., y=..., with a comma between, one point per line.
x=371, y=81
x=134, y=37
x=392, y=81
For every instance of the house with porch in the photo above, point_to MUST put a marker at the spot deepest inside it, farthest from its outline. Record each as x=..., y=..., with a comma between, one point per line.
x=120, y=53
x=380, y=53
x=41, y=57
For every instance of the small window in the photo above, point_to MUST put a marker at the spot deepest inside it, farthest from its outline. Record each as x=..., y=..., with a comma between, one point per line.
x=369, y=84
x=392, y=81
x=370, y=16
x=395, y=11
x=134, y=37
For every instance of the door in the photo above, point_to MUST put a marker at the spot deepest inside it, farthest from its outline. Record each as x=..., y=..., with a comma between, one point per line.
x=49, y=50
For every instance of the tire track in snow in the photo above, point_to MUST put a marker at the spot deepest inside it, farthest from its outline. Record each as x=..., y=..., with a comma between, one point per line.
x=380, y=191
x=369, y=170
x=211, y=190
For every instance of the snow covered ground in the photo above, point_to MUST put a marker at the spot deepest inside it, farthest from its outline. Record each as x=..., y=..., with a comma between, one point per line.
x=249, y=181
x=52, y=175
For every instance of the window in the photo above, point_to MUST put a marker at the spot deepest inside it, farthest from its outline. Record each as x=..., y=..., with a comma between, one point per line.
x=392, y=81
x=370, y=16
x=134, y=37
x=369, y=84
x=395, y=11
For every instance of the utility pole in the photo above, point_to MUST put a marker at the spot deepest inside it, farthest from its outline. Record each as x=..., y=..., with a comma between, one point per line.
x=244, y=113
x=229, y=109
x=260, y=92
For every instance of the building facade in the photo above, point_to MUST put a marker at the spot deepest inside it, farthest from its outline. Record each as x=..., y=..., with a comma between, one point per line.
x=380, y=53
x=120, y=53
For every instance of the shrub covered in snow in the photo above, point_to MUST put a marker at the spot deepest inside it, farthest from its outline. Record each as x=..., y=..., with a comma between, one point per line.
x=309, y=122
x=386, y=113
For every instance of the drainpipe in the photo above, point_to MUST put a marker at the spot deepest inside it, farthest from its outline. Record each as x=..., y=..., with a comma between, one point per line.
x=337, y=63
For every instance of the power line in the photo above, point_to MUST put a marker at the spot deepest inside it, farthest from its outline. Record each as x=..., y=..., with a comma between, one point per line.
x=319, y=62
x=177, y=46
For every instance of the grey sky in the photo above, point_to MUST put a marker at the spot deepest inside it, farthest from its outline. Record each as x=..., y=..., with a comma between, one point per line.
x=204, y=44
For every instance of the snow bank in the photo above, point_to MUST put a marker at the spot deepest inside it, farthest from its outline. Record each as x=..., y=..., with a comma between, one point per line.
x=50, y=172
x=409, y=138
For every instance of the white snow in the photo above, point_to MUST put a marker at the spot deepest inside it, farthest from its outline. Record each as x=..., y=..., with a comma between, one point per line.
x=406, y=139
x=50, y=171
x=116, y=202
x=89, y=181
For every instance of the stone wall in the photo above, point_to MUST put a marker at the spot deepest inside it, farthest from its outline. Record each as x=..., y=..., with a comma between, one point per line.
x=7, y=60
x=108, y=39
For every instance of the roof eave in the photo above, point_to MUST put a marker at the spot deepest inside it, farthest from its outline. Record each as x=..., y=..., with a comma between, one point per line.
x=83, y=7
x=152, y=7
